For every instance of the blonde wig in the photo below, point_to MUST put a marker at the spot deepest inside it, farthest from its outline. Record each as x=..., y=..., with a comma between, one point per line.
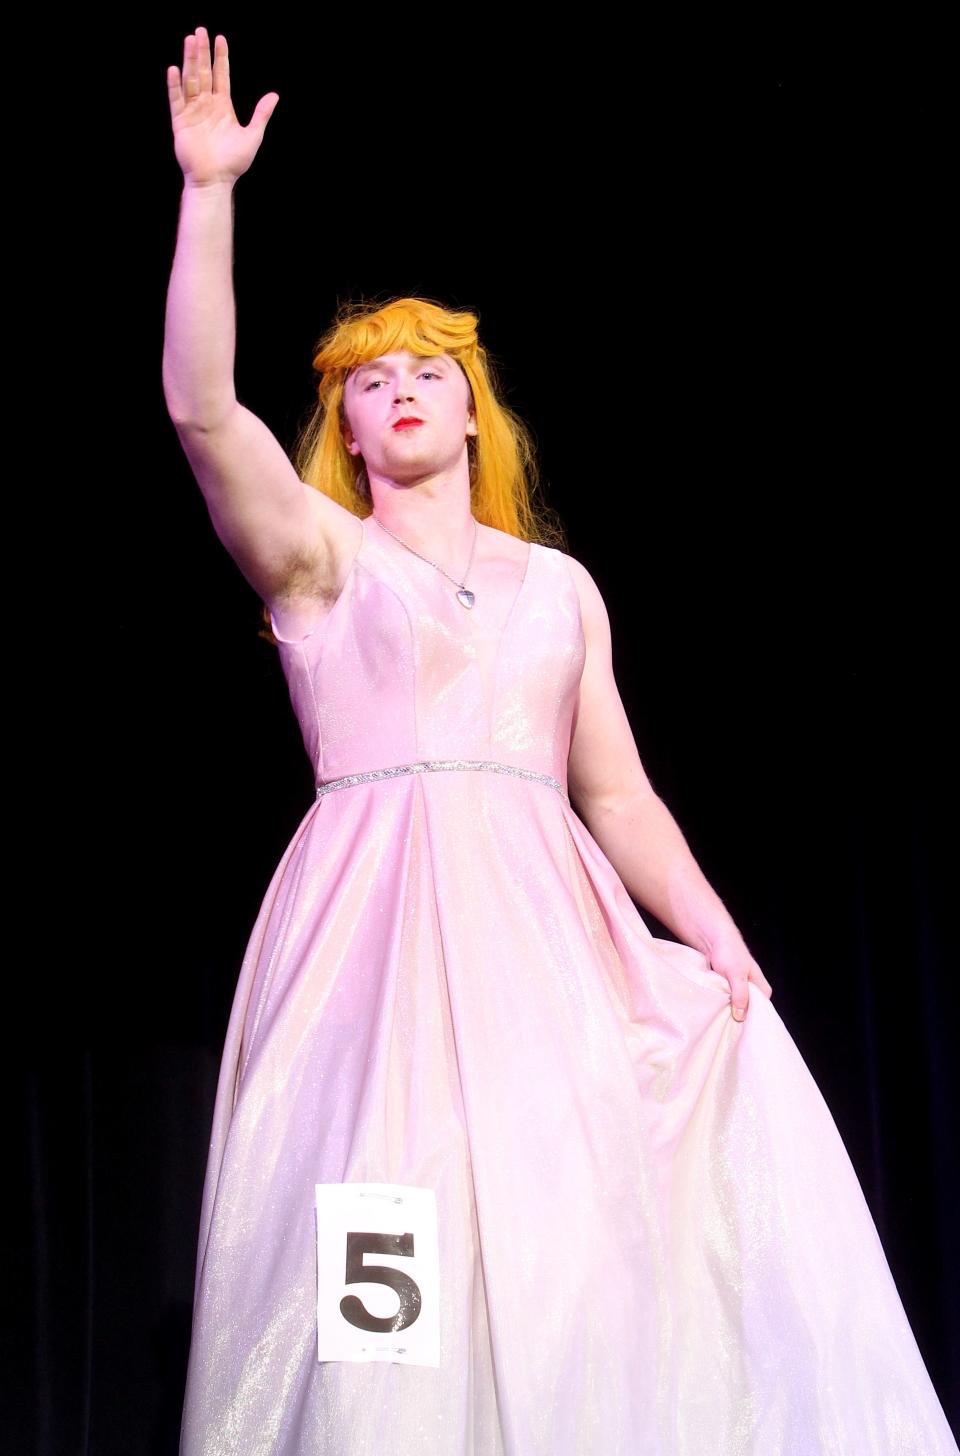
x=504, y=482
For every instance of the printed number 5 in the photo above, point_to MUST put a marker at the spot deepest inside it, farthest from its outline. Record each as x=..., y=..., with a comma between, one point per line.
x=352, y=1308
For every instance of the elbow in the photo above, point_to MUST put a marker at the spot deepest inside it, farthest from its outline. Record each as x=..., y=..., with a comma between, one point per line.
x=192, y=411
x=195, y=417
x=617, y=803
x=177, y=401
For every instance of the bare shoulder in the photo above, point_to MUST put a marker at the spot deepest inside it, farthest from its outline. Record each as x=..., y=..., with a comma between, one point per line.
x=505, y=547
x=592, y=606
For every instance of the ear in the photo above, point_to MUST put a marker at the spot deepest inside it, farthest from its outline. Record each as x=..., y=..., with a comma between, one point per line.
x=471, y=420
x=346, y=435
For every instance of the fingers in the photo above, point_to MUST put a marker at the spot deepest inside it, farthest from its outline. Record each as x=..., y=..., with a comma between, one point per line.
x=221, y=65
x=183, y=85
x=190, y=81
x=740, y=991
x=174, y=92
x=199, y=78
x=196, y=64
x=739, y=977
x=204, y=71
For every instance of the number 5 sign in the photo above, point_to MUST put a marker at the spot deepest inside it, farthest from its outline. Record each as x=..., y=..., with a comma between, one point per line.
x=378, y=1273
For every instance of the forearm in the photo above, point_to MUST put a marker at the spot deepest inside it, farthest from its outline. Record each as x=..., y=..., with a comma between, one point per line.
x=200, y=333
x=643, y=842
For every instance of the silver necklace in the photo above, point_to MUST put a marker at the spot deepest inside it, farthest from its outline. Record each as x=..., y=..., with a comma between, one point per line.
x=464, y=597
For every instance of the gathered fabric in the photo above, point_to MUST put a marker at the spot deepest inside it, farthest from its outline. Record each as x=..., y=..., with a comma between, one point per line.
x=651, y=1240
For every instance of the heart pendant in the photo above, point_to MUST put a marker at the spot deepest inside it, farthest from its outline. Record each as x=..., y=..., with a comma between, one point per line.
x=465, y=598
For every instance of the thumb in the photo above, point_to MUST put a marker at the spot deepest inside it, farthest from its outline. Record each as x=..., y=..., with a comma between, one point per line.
x=263, y=111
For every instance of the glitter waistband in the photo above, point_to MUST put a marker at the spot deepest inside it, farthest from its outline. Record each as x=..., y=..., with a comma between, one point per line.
x=433, y=765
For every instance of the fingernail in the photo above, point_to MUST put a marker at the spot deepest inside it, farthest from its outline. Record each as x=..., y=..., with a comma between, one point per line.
x=738, y=1013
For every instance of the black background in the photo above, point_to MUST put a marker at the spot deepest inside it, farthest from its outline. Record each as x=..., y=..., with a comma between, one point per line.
x=712, y=288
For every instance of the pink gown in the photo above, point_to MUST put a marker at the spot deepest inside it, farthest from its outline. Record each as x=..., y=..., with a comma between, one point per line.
x=652, y=1241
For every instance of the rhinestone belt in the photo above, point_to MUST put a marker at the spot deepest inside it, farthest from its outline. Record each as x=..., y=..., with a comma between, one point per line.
x=432, y=765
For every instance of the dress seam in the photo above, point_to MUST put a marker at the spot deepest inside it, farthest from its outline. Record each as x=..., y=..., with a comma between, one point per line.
x=502, y=639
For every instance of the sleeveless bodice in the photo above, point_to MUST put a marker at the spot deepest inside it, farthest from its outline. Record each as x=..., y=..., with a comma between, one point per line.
x=400, y=672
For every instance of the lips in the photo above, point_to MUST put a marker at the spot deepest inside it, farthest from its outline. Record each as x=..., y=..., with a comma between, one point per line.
x=408, y=423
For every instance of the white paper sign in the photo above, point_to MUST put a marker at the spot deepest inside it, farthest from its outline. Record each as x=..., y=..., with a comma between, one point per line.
x=378, y=1273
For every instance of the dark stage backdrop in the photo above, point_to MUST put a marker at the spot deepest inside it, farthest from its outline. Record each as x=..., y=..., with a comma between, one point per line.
x=706, y=296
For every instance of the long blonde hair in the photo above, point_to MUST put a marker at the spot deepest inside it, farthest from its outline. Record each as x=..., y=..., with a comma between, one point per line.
x=504, y=480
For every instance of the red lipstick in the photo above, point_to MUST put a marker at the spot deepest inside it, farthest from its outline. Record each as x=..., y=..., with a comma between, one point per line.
x=407, y=423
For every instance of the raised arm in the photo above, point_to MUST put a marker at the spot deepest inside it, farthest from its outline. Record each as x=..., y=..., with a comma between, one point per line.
x=287, y=538
x=632, y=824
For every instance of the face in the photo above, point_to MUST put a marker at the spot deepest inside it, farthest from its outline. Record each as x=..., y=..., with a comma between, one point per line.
x=401, y=387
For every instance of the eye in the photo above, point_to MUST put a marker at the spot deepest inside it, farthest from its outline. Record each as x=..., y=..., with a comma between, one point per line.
x=424, y=374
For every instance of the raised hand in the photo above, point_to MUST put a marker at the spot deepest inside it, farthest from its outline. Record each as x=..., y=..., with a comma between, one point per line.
x=210, y=144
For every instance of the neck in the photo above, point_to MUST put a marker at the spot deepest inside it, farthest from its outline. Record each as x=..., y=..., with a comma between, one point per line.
x=442, y=527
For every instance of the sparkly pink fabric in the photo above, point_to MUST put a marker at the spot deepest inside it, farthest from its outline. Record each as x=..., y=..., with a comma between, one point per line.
x=652, y=1240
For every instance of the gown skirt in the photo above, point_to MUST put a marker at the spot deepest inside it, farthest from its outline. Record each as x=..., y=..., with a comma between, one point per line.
x=649, y=1237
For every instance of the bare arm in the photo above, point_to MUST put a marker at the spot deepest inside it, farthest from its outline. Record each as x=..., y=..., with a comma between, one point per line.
x=632, y=824
x=286, y=537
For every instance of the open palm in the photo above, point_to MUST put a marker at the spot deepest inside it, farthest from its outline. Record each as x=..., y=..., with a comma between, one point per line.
x=210, y=143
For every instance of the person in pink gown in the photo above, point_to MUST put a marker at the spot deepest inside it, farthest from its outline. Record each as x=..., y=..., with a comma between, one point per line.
x=632, y=1224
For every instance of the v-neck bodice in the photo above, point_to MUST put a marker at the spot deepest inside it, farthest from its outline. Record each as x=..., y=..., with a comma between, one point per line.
x=400, y=671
